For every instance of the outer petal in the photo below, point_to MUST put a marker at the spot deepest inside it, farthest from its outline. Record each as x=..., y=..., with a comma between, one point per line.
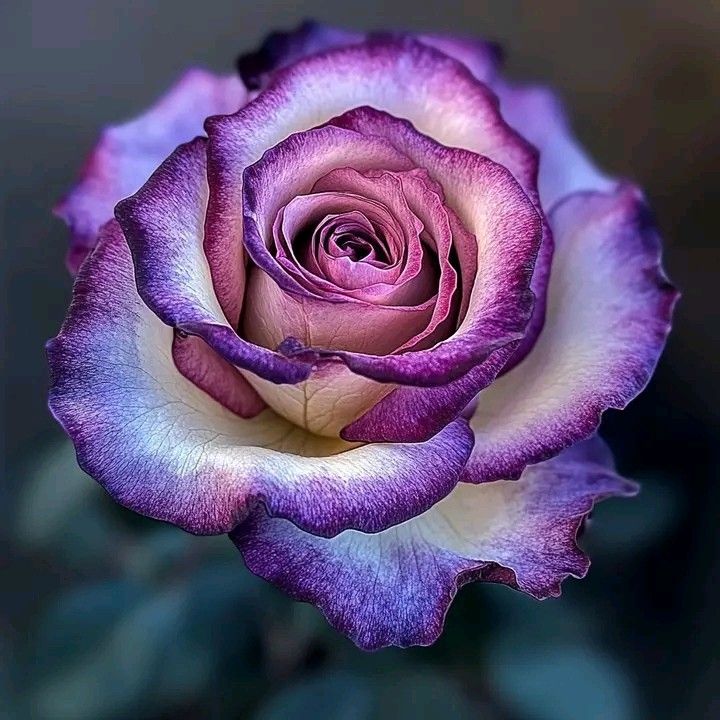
x=481, y=57
x=164, y=448
x=609, y=312
x=127, y=154
x=537, y=114
x=163, y=223
x=394, y=588
x=280, y=49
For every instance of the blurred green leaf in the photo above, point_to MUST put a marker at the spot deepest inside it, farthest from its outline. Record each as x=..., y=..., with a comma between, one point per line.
x=560, y=682
x=158, y=553
x=57, y=506
x=80, y=619
x=7, y=699
x=53, y=486
x=223, y=611
x=417, y=695
x=335, y=696
x=422, y=696
x=631, y=526
x=523, y=618
x=122, y=670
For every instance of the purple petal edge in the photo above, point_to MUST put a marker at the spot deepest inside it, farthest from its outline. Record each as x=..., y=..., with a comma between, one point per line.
x=395, y=587
x=549, y=401
x=162, y=447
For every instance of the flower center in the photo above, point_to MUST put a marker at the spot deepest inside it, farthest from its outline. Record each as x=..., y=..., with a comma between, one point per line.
x=351, y=236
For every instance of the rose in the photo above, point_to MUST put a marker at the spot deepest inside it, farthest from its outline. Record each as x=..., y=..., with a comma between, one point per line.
x=367, y=325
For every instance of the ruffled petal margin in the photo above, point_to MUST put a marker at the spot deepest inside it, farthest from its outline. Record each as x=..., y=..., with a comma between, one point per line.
x=609, y=313
x=126, y=154
x=395, y=587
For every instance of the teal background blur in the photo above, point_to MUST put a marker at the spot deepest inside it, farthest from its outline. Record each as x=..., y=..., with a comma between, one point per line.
x=104, y=614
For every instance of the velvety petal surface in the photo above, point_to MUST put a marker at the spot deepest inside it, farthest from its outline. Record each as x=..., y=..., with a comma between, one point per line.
x=481, y=57
x=400, y=76
x=204, y=367
x=164, y=448
x=163, y=223
x=395, y=587
x=538, y=115
x=127, y=154
x=609, y=312
x=509, y=232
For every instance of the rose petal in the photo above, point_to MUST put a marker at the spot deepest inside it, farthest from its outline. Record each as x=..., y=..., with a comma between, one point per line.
x=162, y=447
x=492, y=206
x=331, y=398
x=200, y=364
x=481, y=57
x=535, y=112
x=271, y=315
x=414, y=414
x=127, y=154
x=538, y=115
x=280, y=49
x=325, y=210
x=417, y=280
x=163, y=223
x=609, y=313
x=405, y=78
x=395, y=587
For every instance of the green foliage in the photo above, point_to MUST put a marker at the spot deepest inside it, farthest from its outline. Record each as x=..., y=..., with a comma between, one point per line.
x=419, y=695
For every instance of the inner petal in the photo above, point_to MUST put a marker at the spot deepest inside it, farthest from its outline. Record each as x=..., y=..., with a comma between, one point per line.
x=352, y=235
x=342, y=245
x=350, y=252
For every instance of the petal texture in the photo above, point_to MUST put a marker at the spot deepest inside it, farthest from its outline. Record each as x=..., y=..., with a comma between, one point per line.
x=127, y=154
x=609, y=311
x=163, y=223
x=394, y=587
x=200, y=364
x=509, y=231
x=164, y=448
x=400, y=76
x=538, y=115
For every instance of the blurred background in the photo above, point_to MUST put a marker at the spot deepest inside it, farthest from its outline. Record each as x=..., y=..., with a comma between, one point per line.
x=104, y=614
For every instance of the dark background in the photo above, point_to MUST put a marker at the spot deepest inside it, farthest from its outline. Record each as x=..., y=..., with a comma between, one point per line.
x=107, y=615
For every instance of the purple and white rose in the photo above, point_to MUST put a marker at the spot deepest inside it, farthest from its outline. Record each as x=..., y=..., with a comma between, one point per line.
x=367, y=324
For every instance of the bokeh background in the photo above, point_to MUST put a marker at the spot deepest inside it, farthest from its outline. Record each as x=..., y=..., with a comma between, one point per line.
x=107, y=615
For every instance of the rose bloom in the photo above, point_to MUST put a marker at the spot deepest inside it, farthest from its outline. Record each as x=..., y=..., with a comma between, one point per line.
x=366, y=324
